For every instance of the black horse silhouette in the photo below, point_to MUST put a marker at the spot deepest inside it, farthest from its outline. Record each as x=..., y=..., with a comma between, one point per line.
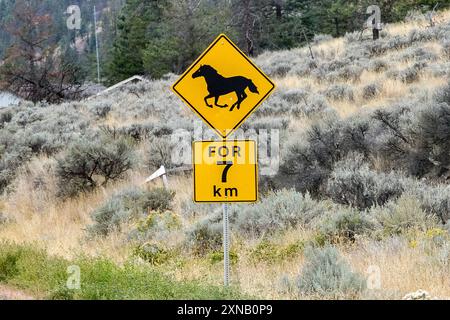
x=219, y=86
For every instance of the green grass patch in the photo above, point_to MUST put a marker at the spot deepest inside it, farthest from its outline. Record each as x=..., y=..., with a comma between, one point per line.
x=217, y=256
x=269, y=252
x=26, y=267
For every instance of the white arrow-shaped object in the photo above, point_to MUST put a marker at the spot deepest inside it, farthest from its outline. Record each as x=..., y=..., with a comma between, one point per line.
x=158, y=173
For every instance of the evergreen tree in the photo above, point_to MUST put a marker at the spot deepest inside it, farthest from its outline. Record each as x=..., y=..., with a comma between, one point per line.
x=136, y=27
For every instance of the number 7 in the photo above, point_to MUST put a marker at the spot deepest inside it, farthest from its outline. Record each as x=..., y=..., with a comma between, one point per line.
x=227, y=165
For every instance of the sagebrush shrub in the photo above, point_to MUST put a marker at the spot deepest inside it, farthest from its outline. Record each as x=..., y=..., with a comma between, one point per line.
x=370, y=91
x=10, y=162
x=294, y=95
x=348, y=73
x=6, y=116
x=33, y=130
x=378, y=65
x=443, y=94
x=340, y=92
x=156, y=226
x=317, y=105
x=438, y=70
x=108, y=218
x=278, y=69
x=353, y=183
x=344, y=224
x=276, y=106
x=100, y=109
x=127, y=205
x=152, y=253
x=88, y=164
x=399, y=216
x=159, y=153
x=256, y=124
x=418, y=54
x=301, y=102
x=410, y=74
x=434, y=200
x=352, y=36
x=280, y=210
x=137, y=131
x=418, y=35
x=206, y=235
x=303, y=68
x=158, y=199
x=318, y=38
x=446, y=49
x=431, y=136
x=326, y=274
x=191, y=209
x=375, y=48
x=308, y=163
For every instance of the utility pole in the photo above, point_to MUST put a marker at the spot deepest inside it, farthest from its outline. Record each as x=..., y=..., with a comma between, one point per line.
x=96, y=46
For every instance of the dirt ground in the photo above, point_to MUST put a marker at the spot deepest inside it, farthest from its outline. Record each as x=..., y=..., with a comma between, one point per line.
x=7, y=293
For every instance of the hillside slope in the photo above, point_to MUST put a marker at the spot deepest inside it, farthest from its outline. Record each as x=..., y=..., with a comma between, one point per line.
x=361, y=195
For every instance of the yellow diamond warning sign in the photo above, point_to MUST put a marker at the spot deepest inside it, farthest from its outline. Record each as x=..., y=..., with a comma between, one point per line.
x=225, y=171
x=223, y=86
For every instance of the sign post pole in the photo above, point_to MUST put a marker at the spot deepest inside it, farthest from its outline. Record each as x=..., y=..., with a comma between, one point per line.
x=226, y=243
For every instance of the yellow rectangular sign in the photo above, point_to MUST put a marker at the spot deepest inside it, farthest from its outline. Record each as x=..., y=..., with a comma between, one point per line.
x=225, y=171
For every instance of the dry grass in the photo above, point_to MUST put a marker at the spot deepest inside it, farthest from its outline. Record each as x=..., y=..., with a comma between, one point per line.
x=403, y=268
x=38, y=216
x=60, y=228
x=405, y=27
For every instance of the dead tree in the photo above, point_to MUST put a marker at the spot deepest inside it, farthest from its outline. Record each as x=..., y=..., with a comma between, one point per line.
x=34, y=68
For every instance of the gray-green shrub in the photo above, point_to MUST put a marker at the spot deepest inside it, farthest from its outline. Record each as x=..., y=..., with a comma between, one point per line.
x=370, y=91
x=326, y=274
x=88, y=164
x=308, y=162
x=100, y=109
x=340, y=92
x=280, y=210
x=344, y=224
x=378, y=65
x=159, y=153
x=353, y=183
x=206, y=235
x=126, y=205
x=399, y=216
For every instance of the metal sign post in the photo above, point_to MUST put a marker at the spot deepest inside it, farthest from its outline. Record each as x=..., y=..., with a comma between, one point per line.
x=225, y=172
x=96, y=46
x=226, y=246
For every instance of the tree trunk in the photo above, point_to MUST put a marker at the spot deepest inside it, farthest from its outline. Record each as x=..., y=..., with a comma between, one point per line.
x=248, y=27
x=336, y=25
x=376, y=33
x=278, y=9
